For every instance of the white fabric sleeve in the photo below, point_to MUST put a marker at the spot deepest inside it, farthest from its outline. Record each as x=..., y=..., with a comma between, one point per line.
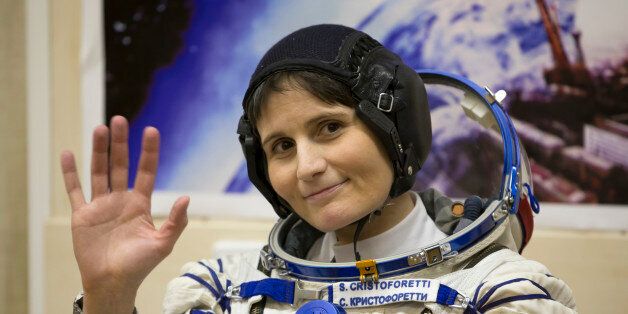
x=184, y=293
x=523, y=287
x=202, y=285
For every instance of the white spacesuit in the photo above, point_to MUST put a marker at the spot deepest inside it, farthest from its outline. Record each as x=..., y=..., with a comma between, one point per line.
x=474, y=267
x=502, y=282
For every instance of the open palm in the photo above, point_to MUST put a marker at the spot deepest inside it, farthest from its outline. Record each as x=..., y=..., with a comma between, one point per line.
x=115, y=242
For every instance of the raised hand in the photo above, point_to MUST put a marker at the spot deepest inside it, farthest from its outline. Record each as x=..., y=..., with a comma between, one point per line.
x=115, y=242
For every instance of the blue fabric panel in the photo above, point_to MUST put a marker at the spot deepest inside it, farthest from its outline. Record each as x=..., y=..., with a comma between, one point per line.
x=277, y=289
x=446, y=295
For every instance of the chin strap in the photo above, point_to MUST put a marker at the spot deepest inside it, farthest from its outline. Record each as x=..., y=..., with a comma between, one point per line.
x=358, y=230
x=356, y=235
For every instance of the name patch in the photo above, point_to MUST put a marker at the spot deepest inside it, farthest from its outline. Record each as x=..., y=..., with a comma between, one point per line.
x=358, y=294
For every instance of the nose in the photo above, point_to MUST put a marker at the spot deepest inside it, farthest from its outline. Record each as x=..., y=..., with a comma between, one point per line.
x=310, y=161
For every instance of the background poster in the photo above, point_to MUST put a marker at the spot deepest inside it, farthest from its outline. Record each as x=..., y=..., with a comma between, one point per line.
x=183, y=67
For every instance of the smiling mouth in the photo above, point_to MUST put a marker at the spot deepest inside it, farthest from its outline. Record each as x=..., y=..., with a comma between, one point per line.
x=324, y=193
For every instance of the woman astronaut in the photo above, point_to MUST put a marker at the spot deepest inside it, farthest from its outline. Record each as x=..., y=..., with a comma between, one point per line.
x=334, y=131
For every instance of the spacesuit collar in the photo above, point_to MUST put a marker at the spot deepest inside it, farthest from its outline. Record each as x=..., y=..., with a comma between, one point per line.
x=278, y=259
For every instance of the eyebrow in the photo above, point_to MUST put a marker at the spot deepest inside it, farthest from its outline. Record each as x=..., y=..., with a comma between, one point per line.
x=313, y=121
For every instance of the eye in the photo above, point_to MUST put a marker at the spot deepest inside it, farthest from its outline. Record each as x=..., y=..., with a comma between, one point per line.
x=282, y=146
x=331, y=127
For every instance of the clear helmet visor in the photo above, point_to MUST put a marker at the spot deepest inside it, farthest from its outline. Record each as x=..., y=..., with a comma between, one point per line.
x=467, y=155
x=475, y=150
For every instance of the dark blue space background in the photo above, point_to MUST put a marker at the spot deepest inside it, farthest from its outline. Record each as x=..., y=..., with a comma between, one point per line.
x=195, y=99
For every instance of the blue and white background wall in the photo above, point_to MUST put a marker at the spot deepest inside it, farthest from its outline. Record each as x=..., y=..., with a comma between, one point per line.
x=184, y=66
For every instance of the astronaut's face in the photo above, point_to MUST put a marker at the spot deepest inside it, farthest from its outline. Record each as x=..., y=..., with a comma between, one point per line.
x=322, y=159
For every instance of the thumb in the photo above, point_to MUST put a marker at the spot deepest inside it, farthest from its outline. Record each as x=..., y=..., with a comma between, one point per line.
x=177, y=220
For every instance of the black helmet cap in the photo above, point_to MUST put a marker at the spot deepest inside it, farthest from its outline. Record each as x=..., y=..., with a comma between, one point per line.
x=390, y=95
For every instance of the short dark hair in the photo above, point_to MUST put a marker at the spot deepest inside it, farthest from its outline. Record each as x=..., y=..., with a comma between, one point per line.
x=321, y=86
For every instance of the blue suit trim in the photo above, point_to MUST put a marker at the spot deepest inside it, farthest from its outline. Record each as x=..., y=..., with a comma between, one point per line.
x=513, y=299
x=482, y=306
x=222, y=300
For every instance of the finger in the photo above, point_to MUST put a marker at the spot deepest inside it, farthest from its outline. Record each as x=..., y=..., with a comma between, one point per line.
x=100, y=161
x=71, y=179
x=149, y=158
x=119, y=154
x=177, y=220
